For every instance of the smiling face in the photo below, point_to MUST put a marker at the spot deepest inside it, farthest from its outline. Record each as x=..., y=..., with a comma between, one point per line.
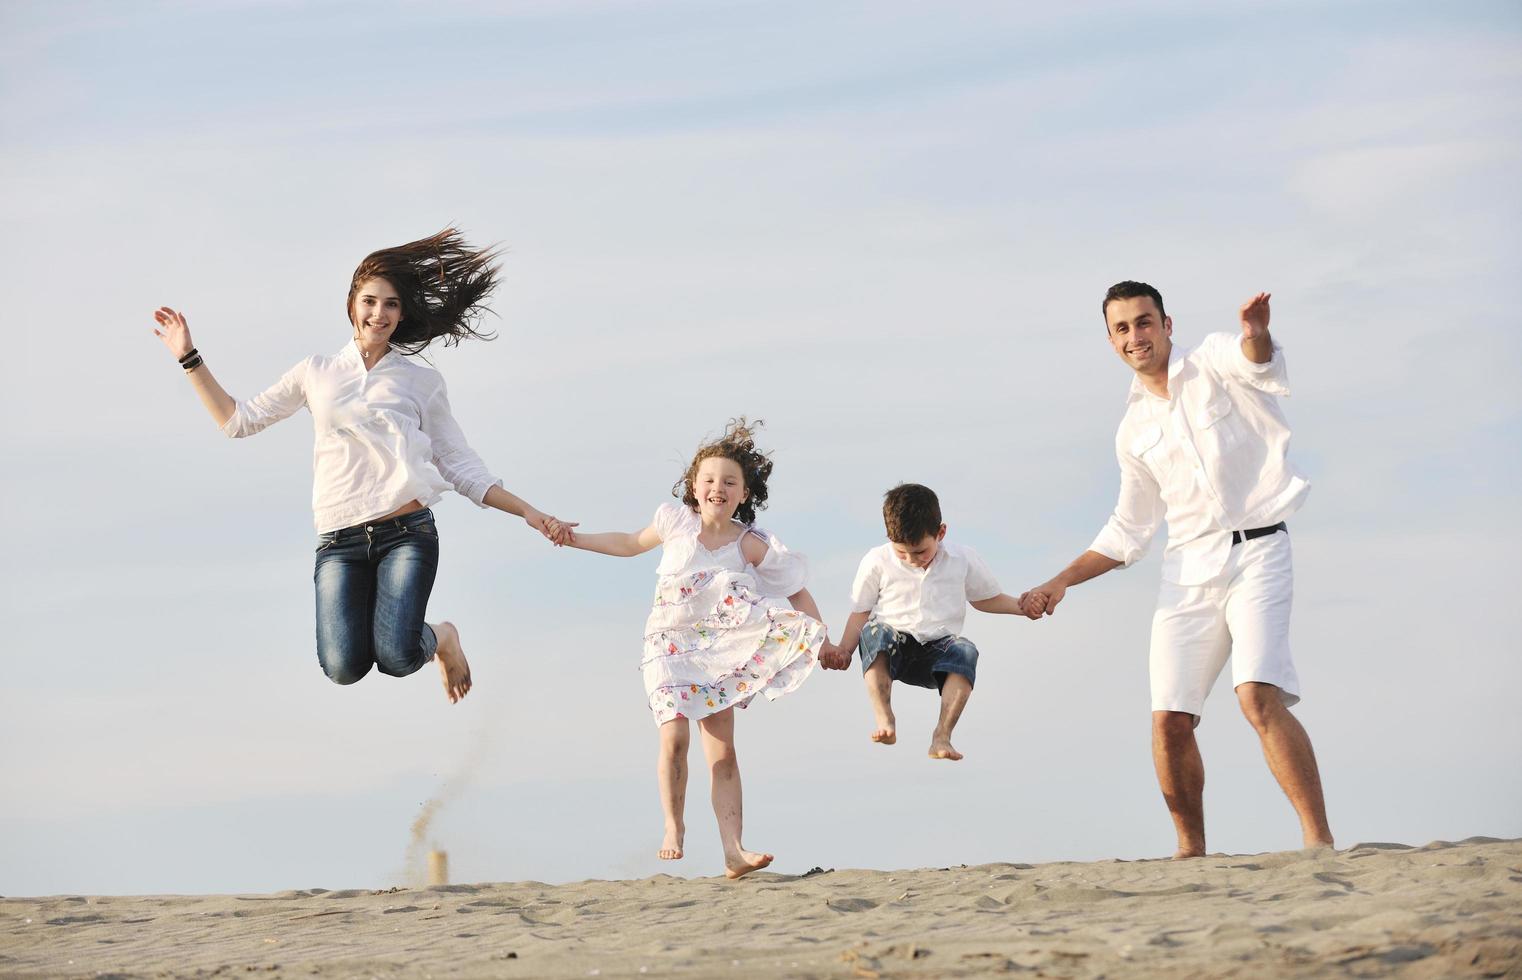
x=922, y=552
x=1140, y=334
x=376, y=313
x=719, y=486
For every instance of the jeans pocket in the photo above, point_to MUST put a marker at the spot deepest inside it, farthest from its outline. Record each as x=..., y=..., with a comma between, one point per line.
x=326, y=541
x=427, y=529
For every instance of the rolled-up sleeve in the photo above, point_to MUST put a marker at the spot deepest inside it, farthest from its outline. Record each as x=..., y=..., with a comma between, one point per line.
x=456, y=461
x=279, y=401
x=1129, y=531
x=1224, y=353
x=867, y=586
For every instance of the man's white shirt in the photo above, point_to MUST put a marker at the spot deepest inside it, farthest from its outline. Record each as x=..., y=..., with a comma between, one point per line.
x=927, y=603
x=1211, y=458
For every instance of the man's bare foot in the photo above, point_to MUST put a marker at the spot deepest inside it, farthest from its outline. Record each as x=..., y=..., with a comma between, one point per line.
x=742, y=863
x=452, y=663
x=671, y=845
x=1185, y=853
x=886, y=732
x=940, y=748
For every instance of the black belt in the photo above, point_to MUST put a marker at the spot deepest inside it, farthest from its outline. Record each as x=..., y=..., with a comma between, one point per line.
x=1237, y=537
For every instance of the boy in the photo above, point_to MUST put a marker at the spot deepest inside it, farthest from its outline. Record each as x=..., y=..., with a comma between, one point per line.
x=907, y=606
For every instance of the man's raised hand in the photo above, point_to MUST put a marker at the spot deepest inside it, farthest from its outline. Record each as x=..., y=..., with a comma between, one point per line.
x=1254, y=315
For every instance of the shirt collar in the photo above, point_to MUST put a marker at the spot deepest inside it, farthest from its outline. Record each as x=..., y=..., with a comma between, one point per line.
x=1175, y=365
x=350, y=352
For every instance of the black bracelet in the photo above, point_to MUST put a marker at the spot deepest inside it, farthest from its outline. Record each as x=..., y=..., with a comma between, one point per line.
x=191, y=365
x=189, y=354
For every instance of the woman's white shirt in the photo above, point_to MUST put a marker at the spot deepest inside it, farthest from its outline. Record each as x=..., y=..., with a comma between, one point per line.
x=383, y=436
x=782, y=573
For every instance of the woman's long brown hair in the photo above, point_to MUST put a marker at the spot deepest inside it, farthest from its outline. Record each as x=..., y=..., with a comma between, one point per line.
x=443, y=283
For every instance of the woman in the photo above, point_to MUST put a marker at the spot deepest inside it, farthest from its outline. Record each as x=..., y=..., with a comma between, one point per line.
x=387, y=447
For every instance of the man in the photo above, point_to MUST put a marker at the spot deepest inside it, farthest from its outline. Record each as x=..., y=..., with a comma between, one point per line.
x=1203, y=445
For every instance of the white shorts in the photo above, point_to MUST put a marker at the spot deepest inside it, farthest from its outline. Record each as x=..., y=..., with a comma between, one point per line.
x=1242, y=614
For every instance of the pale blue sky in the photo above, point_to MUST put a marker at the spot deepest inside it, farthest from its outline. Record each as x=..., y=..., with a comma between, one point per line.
x=884, y=227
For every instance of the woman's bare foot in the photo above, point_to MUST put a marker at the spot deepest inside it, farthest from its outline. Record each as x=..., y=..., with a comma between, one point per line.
x=671, y=844
x=940, y=748
x=742, y=863
x=886, y=732
x=1185, y=853
x=452, y=663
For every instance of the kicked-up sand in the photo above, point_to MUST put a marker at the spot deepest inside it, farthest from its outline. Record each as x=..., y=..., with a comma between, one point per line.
x=1374, y=910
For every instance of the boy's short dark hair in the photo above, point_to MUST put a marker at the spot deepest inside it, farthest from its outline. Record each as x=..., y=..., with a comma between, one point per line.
x=1129, y=290
x=910, y=512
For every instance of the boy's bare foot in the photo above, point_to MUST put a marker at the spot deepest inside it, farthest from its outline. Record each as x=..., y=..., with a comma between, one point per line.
x=742, y=863
x=886, y=732
x=452, y=663
x=671, y=845
x=940, y=748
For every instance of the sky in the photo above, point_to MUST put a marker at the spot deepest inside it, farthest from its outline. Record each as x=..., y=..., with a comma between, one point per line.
x=884, y=228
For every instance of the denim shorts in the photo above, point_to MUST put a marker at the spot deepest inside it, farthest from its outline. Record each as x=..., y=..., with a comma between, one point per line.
x=913, y=662
x=373, y=581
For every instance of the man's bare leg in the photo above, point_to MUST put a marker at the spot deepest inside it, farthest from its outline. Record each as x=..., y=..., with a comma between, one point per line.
x=1181, y=775
x=880, y=693
x=671, y=776
x=1290, y=757
x=954, y=694
x=452, y=663
x=724, y=772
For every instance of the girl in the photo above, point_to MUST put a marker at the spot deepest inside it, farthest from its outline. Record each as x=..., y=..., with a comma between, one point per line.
x=717, y=636
x=387, y=447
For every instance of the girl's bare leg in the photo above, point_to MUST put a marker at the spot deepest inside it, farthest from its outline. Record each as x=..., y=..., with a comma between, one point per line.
x=671, y=775
x=724, y=771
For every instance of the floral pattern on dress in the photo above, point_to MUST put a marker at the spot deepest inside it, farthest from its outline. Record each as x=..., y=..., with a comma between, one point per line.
x=714, y=642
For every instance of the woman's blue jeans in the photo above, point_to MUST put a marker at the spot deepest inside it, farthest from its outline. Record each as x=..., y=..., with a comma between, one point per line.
x=373, y=582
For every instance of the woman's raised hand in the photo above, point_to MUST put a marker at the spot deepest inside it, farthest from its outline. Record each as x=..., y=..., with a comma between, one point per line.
x=173, y=331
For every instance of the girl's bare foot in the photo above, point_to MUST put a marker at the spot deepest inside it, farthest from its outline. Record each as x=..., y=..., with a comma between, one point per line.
x=742, y=863
x=671, y=845
x=452, y=663
x=940, y=748
x=886, y=732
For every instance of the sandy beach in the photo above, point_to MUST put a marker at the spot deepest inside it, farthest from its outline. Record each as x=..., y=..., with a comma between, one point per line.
x=1440, y=910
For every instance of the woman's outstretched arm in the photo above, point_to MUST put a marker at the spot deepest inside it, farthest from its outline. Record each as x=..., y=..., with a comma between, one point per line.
x=175, y=333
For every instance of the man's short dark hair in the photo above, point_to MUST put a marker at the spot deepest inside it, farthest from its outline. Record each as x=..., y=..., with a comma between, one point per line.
x=910, y=512
x=1129, y=290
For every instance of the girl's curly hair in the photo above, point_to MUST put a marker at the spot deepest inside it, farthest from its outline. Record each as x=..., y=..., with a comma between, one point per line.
x=443, y=283
x=738, y=443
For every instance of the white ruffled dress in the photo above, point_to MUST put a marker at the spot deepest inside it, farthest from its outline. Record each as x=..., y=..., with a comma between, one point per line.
x=721, y=630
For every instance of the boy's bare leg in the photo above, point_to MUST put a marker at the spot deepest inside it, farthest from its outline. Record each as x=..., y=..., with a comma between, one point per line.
x=671, y=775
x=1181, y=775
x=718, y=732
x=880, y=693
x=954, y=694
x=1290, y=757
x=453, y=666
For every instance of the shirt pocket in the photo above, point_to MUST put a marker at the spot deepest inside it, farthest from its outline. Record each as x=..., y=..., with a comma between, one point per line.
x=1218, y=422
x=1149, y=447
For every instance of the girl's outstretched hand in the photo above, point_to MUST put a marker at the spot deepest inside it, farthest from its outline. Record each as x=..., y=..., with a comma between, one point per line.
x=558, y=532
x=173, y=331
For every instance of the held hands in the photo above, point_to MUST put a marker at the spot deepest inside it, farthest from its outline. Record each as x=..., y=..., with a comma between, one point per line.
x=832, y=657
x=1254, y=315
x=173, y=331
x=556, y=531
x=1042, y=600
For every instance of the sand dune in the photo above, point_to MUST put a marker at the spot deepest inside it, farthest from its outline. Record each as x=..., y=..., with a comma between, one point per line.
x=1443, y=910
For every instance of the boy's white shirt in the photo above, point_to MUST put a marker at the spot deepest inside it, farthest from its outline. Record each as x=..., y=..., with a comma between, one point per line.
x=928, y=603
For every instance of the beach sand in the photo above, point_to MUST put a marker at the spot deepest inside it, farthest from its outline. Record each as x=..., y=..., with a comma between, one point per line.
x=1442, y=910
